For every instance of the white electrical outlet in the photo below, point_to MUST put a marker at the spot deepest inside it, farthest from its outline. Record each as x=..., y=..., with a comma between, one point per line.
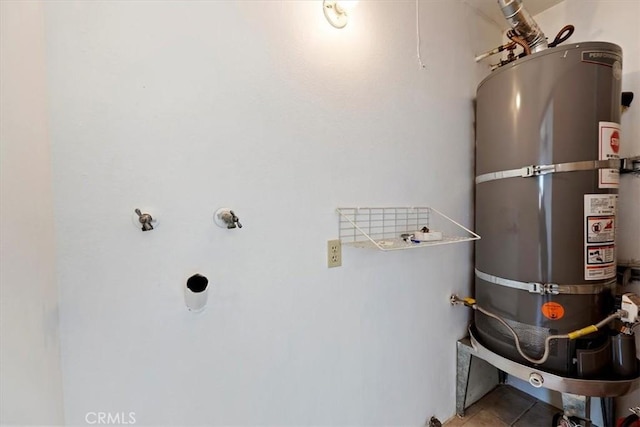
x=334, y=253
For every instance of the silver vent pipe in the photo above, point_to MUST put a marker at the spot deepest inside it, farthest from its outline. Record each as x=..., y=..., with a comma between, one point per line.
x=523, y=24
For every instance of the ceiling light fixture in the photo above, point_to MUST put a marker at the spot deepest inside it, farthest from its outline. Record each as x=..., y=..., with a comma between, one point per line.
x=337, y=12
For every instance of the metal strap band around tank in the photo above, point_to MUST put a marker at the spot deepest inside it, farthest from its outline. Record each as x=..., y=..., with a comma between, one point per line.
x=547, y=288
x=537, y=170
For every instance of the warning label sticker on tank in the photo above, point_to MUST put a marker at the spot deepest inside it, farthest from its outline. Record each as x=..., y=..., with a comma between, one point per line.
x=599, y=228
x=552, y=310
x=598, y=255
x=600, y=204
x=600, y=272
x=609, y=149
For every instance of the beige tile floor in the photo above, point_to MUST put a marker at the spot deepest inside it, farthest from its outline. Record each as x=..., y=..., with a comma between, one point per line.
x=506, y=406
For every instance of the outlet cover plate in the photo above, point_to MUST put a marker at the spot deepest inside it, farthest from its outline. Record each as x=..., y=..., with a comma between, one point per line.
x=334, y=253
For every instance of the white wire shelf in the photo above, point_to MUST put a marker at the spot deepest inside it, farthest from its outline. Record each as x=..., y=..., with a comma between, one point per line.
x=382, y=228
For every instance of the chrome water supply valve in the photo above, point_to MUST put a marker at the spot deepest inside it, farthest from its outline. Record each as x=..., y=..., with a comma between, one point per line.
x=226, y=218
x=144, y=219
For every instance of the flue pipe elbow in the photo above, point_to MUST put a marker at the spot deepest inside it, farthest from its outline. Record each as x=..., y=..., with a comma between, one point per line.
x=523, y=24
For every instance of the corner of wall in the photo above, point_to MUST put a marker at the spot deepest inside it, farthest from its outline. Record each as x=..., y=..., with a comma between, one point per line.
x=31, y=386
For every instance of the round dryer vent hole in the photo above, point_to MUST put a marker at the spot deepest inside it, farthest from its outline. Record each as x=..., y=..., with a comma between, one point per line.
x=197, y=283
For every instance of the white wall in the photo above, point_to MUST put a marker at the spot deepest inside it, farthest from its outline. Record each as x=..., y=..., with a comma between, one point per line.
x=616, y=22
x=31, y=385
x=181, y=108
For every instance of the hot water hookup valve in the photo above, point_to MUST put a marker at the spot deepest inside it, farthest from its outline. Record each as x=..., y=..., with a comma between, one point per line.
x=226, y=218
x=144, y=220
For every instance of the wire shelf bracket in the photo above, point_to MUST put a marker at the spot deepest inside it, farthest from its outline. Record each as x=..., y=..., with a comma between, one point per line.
x=393, y=228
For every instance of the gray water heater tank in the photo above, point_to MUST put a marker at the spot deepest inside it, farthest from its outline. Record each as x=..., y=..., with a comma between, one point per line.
x=546, y=260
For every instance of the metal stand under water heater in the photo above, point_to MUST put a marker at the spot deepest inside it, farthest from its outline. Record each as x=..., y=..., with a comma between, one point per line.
x=547, y=307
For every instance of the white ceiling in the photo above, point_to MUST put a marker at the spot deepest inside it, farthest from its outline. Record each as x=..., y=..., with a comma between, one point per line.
x=491, y=10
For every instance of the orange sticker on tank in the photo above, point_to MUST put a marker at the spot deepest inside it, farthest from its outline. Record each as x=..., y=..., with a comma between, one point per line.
x=553, y=310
